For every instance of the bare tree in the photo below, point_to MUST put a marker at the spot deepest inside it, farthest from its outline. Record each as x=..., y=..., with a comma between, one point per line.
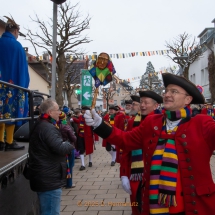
x=184, y=50
x=70, y=26
x=211, y=71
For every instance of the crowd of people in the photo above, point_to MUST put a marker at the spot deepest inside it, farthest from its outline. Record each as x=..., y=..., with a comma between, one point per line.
x=156, y=170
x=166, y=155
x=163, y=144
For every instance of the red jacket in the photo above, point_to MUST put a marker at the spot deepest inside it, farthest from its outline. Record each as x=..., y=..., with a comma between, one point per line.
x=205, y=111
x=88, y=135
x=195, y=144
x=120, y=122
x=125, y=164
x=106, y=119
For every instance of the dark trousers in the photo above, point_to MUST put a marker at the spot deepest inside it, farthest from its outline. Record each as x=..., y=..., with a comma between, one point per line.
x=81, y=145
x=109, y=147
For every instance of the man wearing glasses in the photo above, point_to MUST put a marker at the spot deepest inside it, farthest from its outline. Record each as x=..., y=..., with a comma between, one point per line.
x=47, y=158
x=177, y=148
x=121, y=122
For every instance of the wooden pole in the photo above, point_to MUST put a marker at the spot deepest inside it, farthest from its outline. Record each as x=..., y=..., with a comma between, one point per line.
x=94, y=98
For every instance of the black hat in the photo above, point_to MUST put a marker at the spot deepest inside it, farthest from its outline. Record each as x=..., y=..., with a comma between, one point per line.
x=135, y=98
x=117, y=107
x=128, y=102
x=113, y=107
x=85, y=108
x=152, y=95
x=187, y=85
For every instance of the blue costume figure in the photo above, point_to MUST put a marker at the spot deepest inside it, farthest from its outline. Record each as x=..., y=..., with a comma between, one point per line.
x=14, y=70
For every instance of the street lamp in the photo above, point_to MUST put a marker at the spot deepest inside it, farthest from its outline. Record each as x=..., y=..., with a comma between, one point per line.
x=53, y=82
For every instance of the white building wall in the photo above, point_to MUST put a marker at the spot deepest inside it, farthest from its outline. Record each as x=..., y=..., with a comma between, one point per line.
x=37, y=82
x=198, y=73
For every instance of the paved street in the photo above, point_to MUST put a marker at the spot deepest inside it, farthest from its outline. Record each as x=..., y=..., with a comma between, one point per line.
x=98, y=189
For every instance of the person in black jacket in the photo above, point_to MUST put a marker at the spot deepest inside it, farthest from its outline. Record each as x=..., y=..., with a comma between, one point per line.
x=47, y=159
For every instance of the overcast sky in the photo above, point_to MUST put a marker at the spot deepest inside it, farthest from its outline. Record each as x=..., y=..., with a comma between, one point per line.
x=124, y=26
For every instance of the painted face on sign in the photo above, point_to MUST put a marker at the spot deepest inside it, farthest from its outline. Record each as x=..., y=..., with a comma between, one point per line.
x=102, y=61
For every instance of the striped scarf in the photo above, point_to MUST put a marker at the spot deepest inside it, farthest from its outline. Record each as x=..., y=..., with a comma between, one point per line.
x=111, y=119
x=137, y=164
x=127, y=117
x=164, y=167
x=45, y=116
x=68, y=172
x=81, y=127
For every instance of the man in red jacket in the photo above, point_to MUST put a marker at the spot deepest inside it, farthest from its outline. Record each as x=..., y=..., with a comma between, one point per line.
x=85, y=140
x=131, y=165
x=209, y=110
x=176, y=149
x=121, y=122
x=110, y=148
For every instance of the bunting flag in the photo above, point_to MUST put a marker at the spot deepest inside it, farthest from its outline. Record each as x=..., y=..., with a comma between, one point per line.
x=117, y=55
x=164, y=70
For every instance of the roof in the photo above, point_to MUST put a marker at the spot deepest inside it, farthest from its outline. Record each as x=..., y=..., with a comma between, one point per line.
x=123, y=83
x=204, y=31
x=40, y=70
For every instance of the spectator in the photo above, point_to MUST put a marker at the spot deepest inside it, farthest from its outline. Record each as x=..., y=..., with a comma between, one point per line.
x=47, y=159
x=14, y=70
x=195, y=110
x=68, y=135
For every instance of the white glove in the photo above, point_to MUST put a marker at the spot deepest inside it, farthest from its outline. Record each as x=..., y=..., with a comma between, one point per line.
x=126, y=184
x=71, y=120
x=92, y=118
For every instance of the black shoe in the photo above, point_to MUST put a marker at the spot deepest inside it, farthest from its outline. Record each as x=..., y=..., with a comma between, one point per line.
x=13, y=146
x=2, y=146
x=90, y=164
x=112, y=163
x=82, y=168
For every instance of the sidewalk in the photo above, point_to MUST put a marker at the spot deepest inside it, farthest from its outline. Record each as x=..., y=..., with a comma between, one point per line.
x=98, y=189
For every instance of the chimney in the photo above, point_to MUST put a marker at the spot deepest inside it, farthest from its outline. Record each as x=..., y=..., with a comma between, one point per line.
x=213, y=21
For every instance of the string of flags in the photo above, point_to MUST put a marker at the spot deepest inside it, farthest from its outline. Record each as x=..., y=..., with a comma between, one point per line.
x=115, y=56
x=164, y=70
x=93, y=56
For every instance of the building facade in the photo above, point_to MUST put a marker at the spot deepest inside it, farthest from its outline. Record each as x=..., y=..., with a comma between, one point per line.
x=198, y=71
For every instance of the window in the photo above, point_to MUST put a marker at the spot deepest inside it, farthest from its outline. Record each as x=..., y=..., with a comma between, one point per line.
x=202, y=77
x=115, y=102
x=206, y=76
x=194, y=78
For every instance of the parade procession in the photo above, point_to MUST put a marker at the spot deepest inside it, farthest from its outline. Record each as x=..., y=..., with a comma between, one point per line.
x=107, y=110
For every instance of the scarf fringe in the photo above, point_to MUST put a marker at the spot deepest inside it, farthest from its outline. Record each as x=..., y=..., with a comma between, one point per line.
x=68, y=175
x=136, y=177
x=167, y=200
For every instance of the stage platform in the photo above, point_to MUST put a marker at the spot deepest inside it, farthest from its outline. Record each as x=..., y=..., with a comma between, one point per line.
x=10, y=159
x=15, y=192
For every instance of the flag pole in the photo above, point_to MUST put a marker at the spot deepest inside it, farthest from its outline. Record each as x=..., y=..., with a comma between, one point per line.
x=96, y=92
